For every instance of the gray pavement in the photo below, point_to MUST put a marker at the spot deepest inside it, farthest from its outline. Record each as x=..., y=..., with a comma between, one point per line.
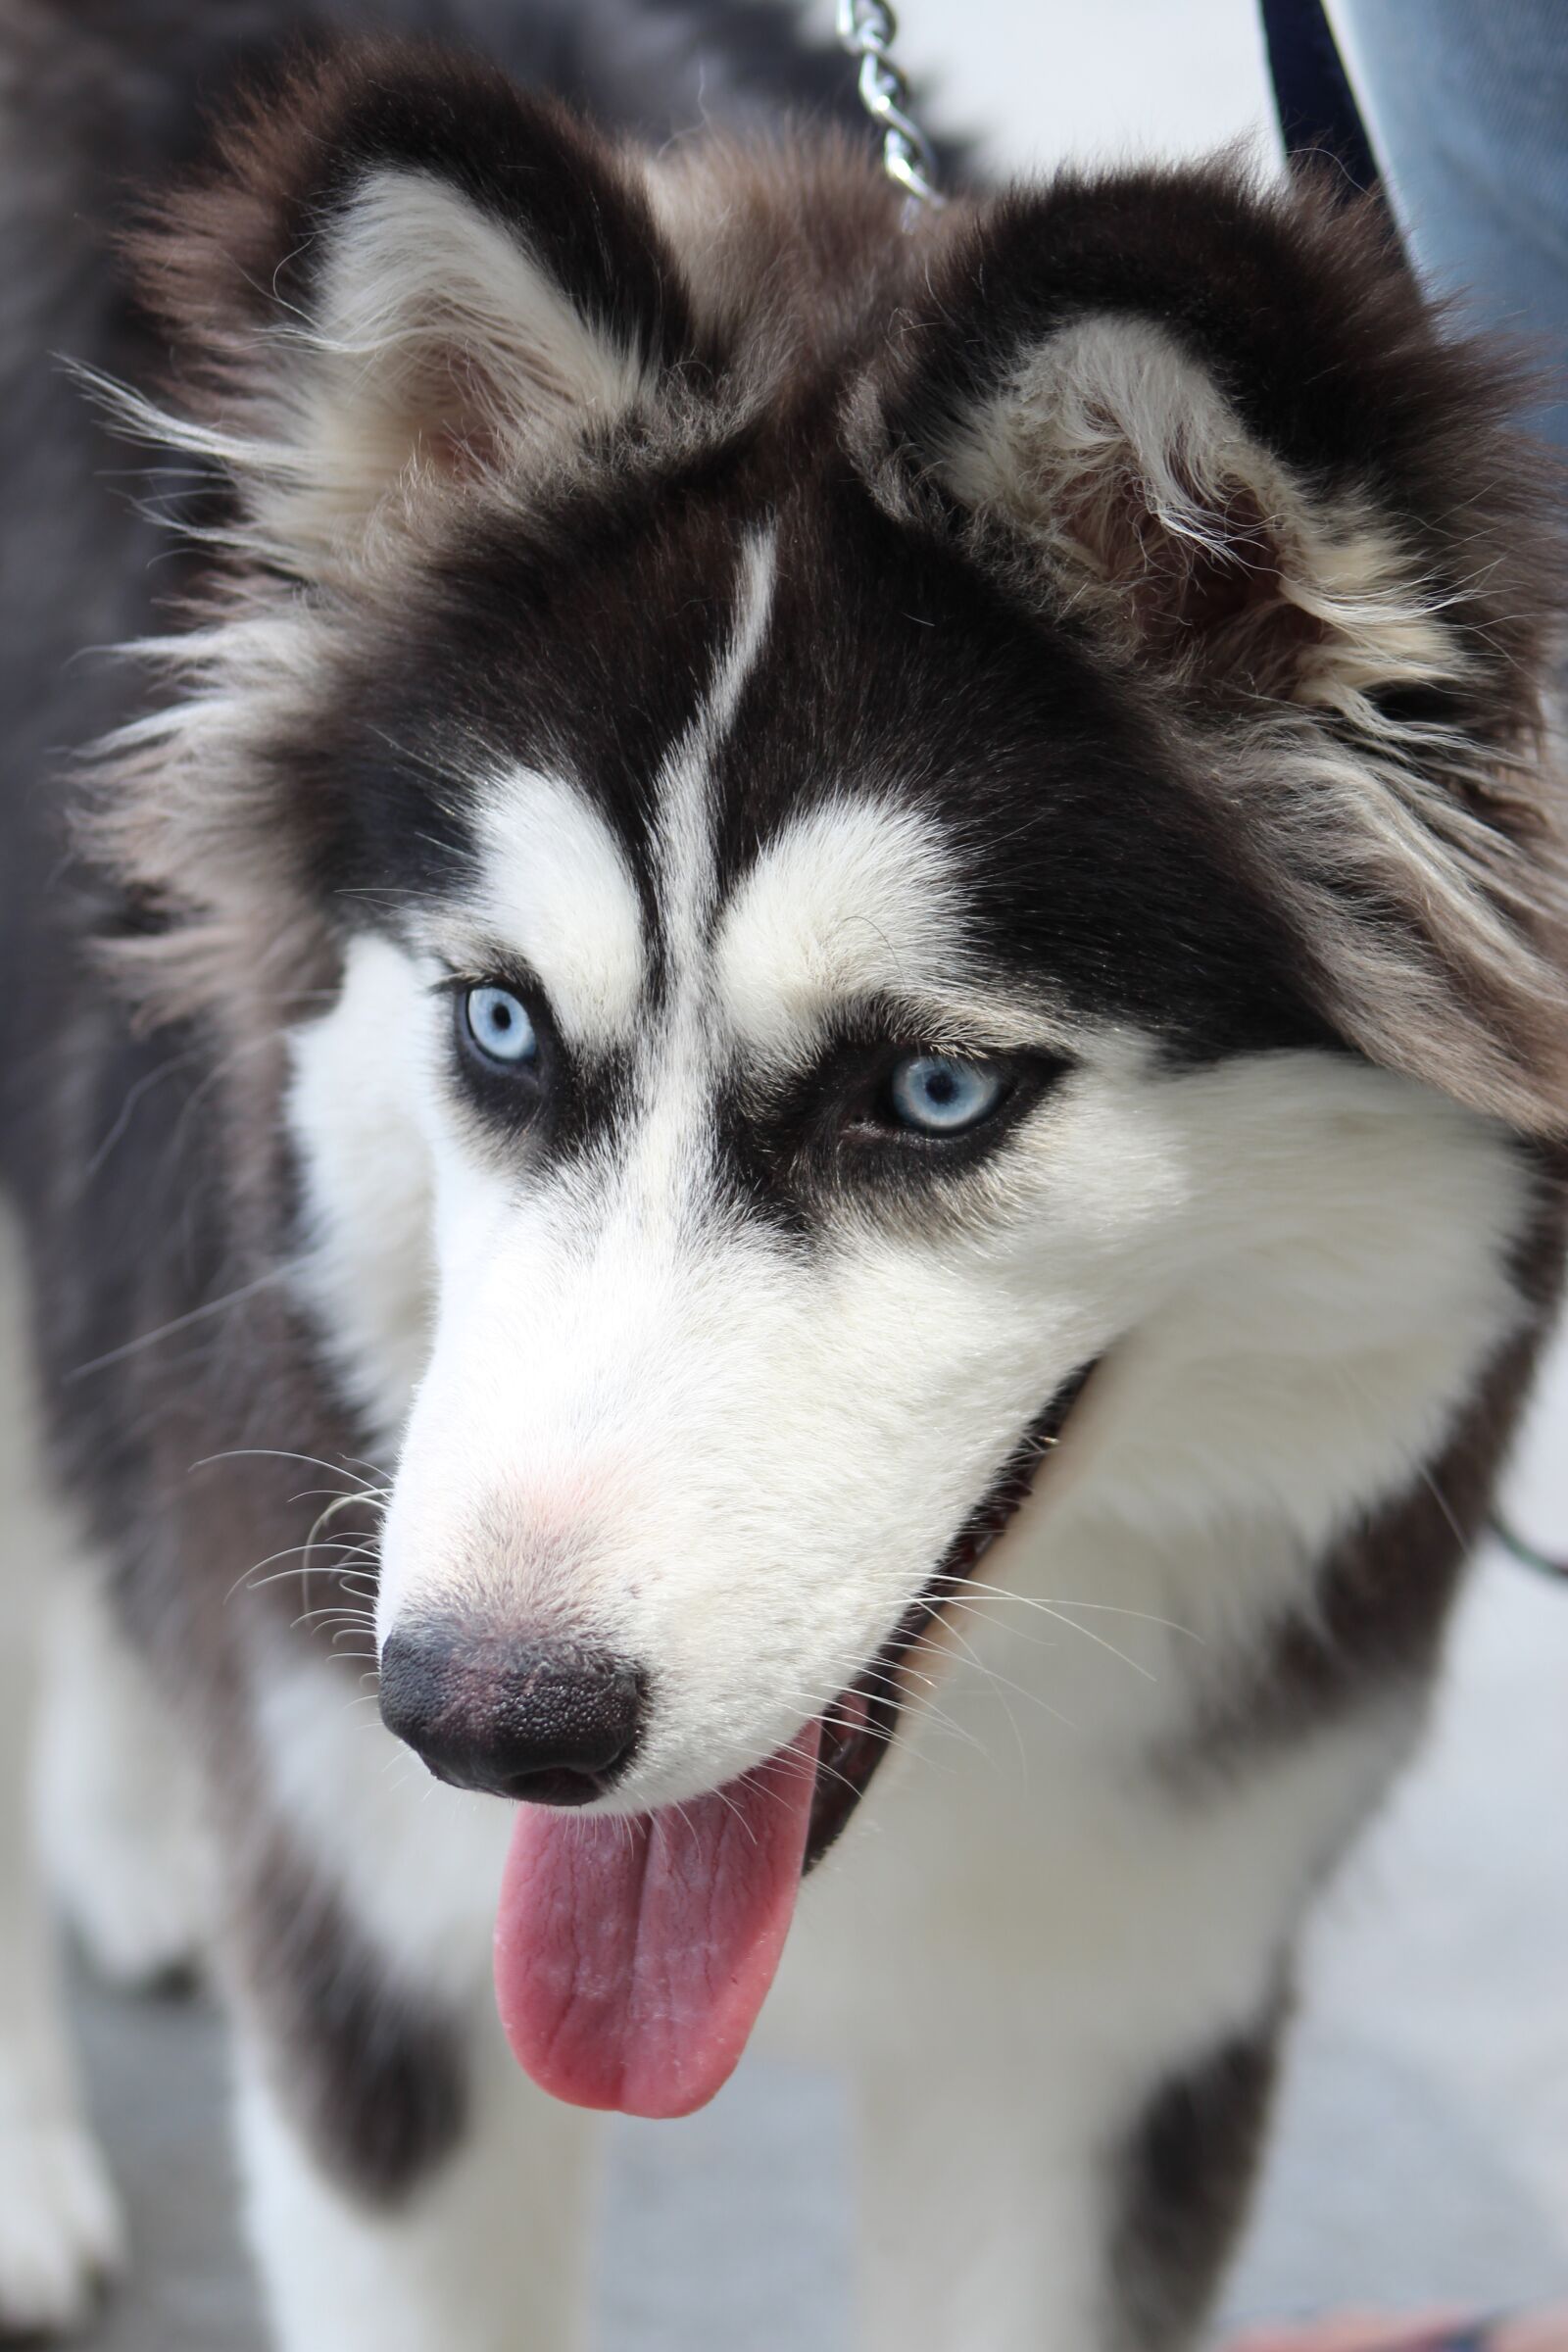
x=155, y=2074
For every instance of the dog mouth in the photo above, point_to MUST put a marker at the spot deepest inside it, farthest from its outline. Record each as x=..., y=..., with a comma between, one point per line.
x=859, y=1727
x=634, y=1953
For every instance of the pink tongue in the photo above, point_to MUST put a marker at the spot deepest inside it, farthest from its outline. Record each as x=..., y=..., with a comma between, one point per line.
x=632, y=1956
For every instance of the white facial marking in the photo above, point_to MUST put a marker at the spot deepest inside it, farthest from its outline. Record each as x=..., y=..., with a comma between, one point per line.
x=558, y=889
x=667, y=1162
x=856, y=899
x=685, y=845
x=368, y=1273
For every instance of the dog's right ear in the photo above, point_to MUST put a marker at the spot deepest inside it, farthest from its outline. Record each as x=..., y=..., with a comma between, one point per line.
x=400, y=276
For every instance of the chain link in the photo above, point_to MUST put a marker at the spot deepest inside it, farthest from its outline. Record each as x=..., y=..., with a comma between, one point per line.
x=867, y=30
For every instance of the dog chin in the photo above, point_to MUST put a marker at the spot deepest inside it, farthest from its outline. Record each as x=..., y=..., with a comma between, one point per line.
x=855, y=1732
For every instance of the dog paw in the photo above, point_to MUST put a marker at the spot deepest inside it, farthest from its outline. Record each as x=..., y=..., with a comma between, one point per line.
x=60, y=2234
x=118, y=1820
x=133, y=1894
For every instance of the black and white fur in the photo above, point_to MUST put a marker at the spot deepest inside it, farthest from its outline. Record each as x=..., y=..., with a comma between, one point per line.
x=1103, y=629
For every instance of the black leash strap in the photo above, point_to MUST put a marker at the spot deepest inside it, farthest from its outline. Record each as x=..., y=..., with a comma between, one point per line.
x=1312, y=94
x=1516, y=1547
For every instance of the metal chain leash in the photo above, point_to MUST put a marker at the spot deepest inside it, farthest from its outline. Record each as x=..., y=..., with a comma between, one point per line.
x=867, y=30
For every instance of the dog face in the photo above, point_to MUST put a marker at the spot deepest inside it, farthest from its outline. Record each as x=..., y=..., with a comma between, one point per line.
x=772, y=1202
x=885, y=817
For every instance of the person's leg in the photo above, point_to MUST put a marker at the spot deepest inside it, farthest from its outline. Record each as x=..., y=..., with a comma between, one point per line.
x=1467, y=108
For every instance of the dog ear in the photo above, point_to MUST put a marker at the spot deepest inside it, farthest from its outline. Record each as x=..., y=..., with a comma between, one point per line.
x=1220, y=436
x=401, y=276
x=1223, y=431
x=1177, y=537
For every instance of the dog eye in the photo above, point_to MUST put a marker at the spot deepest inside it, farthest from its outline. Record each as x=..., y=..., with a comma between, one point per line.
x=497, y=1026
x=937, y=1094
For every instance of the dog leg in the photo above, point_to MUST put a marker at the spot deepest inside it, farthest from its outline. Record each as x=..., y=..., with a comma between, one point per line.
x=974, y=2234
x=1009, y=2216
x=408, y=2189
x=482, y=2245
x=1065, y=2076
x=60, y=2230
x=118, y=1814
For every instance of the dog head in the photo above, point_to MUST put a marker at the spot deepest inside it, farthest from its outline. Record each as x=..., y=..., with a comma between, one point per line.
x=883, y=817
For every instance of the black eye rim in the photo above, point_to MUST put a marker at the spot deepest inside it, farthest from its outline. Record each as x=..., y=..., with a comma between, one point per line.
x=508, y=1092
x=506, y=1064
x=867, y=1121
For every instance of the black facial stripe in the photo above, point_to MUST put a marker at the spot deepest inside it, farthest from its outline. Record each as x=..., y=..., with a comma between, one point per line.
x=584, y=645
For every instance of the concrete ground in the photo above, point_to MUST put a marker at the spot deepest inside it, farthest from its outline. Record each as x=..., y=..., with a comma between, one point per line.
x=1424, y=2144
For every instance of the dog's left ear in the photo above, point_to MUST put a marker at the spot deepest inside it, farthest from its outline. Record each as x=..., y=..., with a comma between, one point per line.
x=1219, y=434
x=1223, y=431
x=397, y=276
x=1177, y=536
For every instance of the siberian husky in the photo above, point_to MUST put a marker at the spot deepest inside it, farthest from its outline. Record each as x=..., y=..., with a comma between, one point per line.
x=804, y=1036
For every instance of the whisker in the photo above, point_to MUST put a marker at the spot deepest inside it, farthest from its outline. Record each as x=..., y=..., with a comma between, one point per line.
x=284, y=1453
x=1028, y=1601
x=196, y=1314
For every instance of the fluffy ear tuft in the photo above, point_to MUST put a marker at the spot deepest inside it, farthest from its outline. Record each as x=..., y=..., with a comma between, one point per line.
x=1224, y=428
x=1179, y=537
x=402, y=275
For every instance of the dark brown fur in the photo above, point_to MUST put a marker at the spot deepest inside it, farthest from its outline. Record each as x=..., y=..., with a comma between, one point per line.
x=1184, y=2179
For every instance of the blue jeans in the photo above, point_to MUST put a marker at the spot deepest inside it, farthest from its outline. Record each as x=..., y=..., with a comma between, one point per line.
x=1467, y=104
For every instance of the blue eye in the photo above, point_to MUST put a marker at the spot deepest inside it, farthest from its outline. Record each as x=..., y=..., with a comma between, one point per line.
x=498, y=1024
x=936, y=1094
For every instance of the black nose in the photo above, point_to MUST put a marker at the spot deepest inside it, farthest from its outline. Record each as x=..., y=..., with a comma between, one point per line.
x=547, y=1721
